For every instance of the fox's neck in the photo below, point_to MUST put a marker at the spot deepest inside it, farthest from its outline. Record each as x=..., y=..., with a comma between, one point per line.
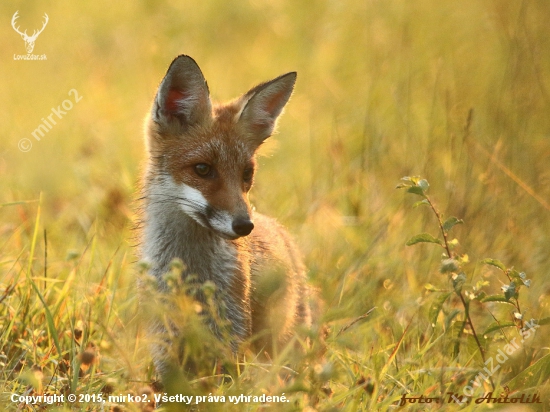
x=168, y=233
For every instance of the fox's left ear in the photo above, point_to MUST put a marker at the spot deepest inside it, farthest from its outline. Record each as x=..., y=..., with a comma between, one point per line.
x=263, y=104
x=182, y=99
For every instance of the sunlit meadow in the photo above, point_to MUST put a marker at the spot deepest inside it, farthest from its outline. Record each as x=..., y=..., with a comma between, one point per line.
x=455, y=92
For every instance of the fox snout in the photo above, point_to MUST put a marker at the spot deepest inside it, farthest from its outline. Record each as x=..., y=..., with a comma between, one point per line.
x=227, y=216
x=229, y=225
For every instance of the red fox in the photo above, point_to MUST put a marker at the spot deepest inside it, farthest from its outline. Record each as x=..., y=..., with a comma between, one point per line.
x=201, y=163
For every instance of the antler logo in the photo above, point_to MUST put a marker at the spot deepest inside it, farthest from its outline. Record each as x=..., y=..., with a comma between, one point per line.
x=29, y=40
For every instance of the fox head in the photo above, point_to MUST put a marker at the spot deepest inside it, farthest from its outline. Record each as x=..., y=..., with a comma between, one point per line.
x=203, y=155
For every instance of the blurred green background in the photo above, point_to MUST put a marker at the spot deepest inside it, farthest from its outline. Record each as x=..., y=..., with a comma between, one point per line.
x=384, y=90
x=458, y=92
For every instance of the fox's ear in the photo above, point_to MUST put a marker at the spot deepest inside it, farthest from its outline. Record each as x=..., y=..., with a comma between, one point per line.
x=183, y=95
x=263, y=104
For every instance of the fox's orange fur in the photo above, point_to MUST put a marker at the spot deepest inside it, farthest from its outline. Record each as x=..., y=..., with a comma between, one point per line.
x=200, y=170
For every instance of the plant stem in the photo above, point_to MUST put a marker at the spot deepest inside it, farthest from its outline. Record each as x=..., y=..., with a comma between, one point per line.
x=440, y=222
x=467, y=314
x=459, y=293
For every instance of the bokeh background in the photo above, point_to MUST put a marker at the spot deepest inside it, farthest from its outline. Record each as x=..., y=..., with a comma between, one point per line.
x=458, y=93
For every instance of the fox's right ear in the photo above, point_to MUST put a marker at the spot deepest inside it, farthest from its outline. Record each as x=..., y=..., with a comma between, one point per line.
x=263, y=104
x=183, y=95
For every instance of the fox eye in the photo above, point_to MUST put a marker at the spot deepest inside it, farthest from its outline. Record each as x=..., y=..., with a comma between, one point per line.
x=203, y=170
x=247, y=174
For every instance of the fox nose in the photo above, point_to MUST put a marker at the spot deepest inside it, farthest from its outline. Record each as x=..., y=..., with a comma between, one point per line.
x=242, y=227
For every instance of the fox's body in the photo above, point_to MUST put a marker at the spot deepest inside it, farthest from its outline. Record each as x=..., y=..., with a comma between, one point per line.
x=200, y=169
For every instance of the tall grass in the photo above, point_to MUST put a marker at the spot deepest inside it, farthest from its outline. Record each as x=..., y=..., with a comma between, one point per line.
x=456, y=93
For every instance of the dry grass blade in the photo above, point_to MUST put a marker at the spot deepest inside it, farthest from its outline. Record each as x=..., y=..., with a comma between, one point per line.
x=353, y=322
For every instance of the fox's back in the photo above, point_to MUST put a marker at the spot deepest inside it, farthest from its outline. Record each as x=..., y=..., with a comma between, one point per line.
x=279, y=294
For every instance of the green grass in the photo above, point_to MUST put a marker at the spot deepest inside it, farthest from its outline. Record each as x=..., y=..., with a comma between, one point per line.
x=456, y=93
